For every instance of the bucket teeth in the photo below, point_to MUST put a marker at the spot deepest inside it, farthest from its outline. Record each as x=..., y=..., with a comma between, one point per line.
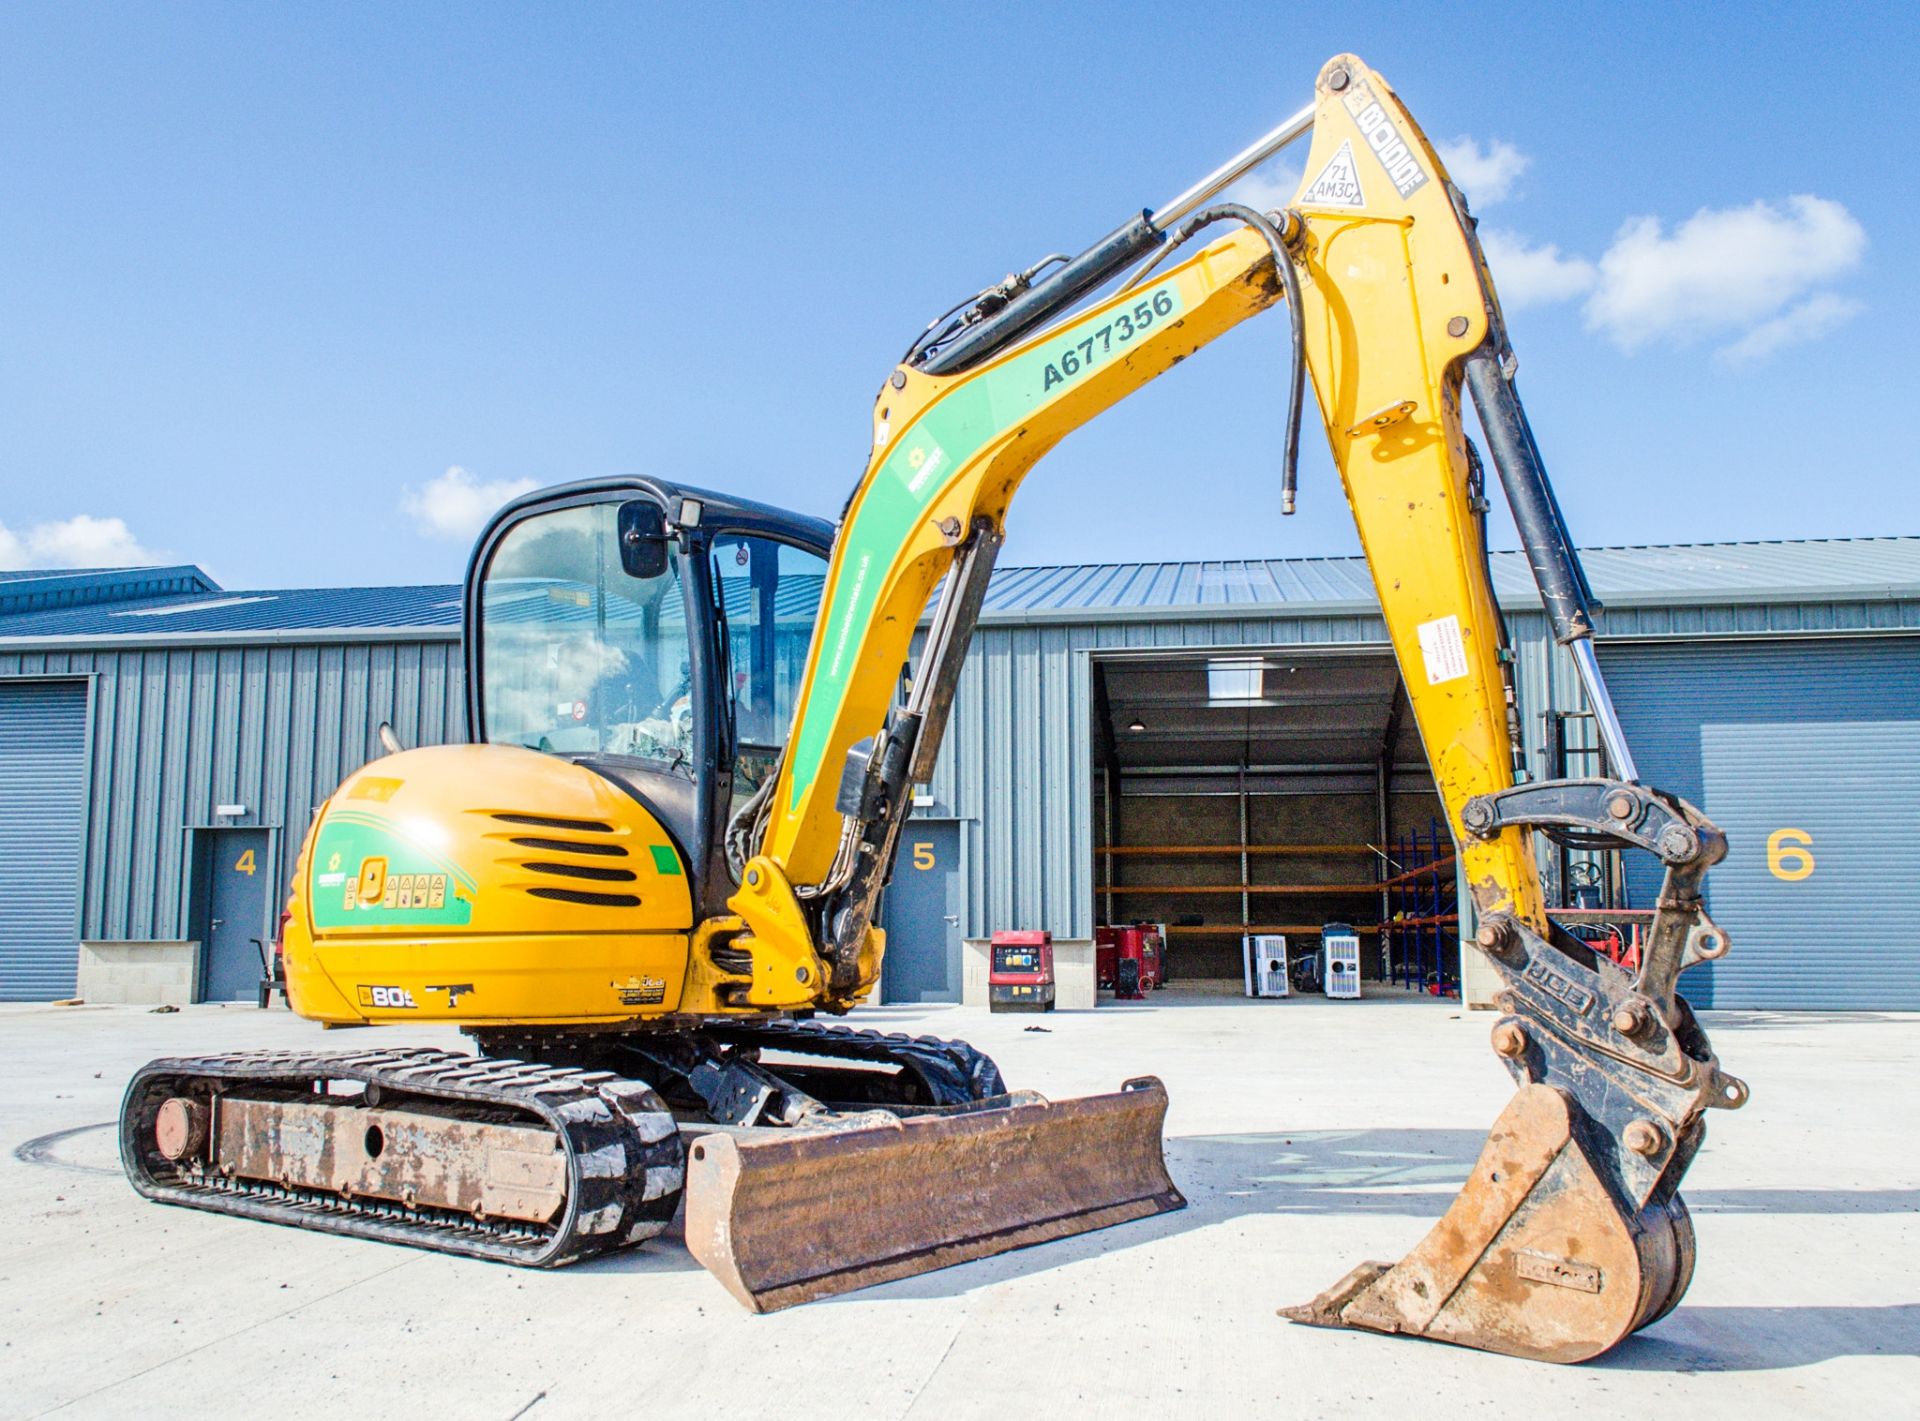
x=1535, y=1257
x=789, y=1217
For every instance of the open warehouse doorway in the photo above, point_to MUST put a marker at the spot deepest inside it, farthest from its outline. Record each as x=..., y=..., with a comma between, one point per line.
x=1271, y=792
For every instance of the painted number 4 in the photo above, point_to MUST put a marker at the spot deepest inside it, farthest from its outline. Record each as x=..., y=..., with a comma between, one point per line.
x=244, y=864
x=1790, y=854
x=923, y=854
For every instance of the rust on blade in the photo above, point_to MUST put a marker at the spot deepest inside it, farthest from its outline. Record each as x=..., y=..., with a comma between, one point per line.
x=797, y=1216
x=1535, y=1258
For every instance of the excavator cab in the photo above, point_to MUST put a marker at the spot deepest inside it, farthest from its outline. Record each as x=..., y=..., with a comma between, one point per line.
x=652, y=634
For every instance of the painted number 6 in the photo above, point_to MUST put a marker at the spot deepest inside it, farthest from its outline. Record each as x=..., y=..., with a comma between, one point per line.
x=1789, y=854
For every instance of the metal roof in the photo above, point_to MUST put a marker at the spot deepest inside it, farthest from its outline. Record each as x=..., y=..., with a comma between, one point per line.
x=1811, y=570
x=42, y=589
x=291, y=613
x=268, y=614
x=1805, y=570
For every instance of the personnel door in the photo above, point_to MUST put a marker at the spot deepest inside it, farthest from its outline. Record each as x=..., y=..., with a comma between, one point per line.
x=239, y=895
x=923, y=916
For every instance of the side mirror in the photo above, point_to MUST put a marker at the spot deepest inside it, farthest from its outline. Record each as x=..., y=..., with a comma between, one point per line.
x=643, y=539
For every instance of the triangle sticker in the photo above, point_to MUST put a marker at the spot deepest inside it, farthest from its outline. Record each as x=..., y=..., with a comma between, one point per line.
x=1338, y=184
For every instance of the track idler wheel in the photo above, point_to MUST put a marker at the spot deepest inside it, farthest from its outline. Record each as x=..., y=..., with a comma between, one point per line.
x=1534, y=1258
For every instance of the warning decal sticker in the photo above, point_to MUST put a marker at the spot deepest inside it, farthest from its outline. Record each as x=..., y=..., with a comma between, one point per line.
x=1395, y=156
x=1444, y=650
x=1338, y=184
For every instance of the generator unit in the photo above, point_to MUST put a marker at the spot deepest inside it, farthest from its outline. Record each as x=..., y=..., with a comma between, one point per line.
x=1020, y=973
x=1264, y=964
x=1133, y=973
x=1158, y=941
x=1142, y=944
x=1340, y=960
x=1153, y=954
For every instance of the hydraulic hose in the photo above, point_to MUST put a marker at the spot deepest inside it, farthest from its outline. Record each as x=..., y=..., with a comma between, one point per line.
x=1296, y=322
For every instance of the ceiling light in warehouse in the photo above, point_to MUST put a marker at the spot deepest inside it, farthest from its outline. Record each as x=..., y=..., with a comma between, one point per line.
x=1237, y=680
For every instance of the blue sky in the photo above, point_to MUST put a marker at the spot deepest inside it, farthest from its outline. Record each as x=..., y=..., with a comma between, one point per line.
x=267, y=273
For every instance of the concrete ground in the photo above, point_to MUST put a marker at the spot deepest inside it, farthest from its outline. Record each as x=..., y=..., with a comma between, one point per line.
x=1308, y=1135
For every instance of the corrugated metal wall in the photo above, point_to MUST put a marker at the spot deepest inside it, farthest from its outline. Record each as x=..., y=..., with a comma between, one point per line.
x=1017, y=765
x=179, y=729
x=1545, y=677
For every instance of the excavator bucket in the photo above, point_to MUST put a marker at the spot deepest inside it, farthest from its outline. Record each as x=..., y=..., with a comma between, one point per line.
x=1535, y=1258
x=790, y=1216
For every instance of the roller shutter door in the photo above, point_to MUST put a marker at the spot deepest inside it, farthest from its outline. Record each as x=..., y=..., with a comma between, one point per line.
x=1808, y=754
x=43, y=797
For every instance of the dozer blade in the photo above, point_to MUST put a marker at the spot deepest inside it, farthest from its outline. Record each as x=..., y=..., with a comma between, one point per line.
x=797, y=1216
x=1535, y=1258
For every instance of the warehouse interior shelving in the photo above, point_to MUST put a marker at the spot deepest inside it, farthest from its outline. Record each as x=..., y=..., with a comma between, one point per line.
x=1270, y=792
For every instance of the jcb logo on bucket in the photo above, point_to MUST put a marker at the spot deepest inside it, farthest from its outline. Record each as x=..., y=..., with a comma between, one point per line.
x=392, y=998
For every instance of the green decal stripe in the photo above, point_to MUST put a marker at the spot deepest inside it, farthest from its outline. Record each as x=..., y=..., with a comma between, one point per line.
x=666, y=861
x=355, y=836
x=386, y=827
x=940, y=443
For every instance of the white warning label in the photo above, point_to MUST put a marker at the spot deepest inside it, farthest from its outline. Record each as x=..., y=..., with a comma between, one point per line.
x=1338, y=184
x=1443, y=649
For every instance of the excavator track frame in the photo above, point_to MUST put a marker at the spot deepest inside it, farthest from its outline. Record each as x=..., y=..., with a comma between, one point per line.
x=841, y=1196
x=947, y=1072
x=624, y=1156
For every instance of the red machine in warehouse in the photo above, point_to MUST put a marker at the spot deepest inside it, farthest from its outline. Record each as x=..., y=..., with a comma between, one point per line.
x=1141, y=944
x=1020, y=972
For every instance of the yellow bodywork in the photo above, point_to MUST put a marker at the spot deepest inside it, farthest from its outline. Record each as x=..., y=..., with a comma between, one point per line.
x=1394, y=298
x=486, y=883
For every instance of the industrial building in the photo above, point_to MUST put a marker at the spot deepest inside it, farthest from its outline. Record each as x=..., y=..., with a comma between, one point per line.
x=1217, y=746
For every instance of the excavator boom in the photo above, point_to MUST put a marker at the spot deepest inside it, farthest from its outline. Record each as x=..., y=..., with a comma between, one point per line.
x=1570, y=1233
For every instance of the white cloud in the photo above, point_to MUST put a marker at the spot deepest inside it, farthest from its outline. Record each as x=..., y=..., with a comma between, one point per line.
x=1721, y=271
x=79, y=541
x=1265, y=189
x=1526, y=274
x=456, y=504
x=1485, y=174
x=1814, y=317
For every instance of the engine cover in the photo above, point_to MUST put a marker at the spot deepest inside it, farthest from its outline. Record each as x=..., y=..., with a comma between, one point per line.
x=486, y=883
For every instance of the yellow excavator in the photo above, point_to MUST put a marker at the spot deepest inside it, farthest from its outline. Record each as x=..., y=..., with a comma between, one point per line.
x=654, y=872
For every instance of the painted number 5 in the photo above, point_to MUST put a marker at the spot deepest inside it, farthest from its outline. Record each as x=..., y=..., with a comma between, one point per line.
x=244, y=864
x=923, y=854
x=1789, y=854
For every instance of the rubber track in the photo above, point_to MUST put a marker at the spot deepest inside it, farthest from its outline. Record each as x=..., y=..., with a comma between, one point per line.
x=590, y=1111
x=957, y=1073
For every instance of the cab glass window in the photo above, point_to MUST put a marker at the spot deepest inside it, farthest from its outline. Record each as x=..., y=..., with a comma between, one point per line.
x=577, y=656
x=771, y=595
